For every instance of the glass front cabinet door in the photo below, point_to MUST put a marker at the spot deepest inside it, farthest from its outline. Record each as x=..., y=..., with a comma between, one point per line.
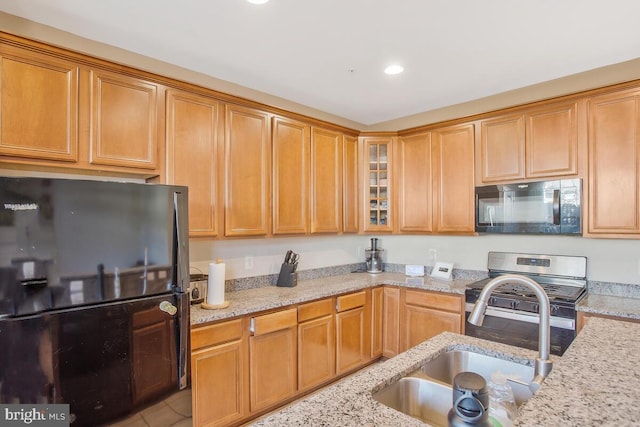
x=377, y=152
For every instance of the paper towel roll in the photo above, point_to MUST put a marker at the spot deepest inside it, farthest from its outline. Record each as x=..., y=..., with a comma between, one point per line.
x=215, y=289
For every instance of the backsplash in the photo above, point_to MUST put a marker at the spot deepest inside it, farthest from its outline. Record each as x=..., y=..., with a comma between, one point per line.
x=244, y=283
x=623, y=290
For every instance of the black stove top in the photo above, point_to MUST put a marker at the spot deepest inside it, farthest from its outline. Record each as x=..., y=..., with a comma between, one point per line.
x=555, y=292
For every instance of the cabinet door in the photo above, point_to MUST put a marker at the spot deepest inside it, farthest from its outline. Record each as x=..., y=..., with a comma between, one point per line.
x=153, y=358
x=290, y=143
x=502, y=149
x=453, y=183
x=421, y=323
x=316, y=352
x=377, y=156
x=614, y=164
x=219, y=384
x=377, y=319
x=352, y=350
x=247, y=166
x=326, y=181
x=123, y=121
x=193, y=128
x=426, y=314
x=38, y=106
x=272, y=367
x=391, y=322
x=219, y=373
x=350, y=184
x=552, y=141
x=414, y=186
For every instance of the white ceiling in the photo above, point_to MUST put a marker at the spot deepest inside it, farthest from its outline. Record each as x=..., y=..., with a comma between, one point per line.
x=330, y=54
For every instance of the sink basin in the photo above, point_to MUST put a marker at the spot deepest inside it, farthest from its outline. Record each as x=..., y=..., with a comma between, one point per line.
x=446, y=366
x=419, y=398
x=426, y=394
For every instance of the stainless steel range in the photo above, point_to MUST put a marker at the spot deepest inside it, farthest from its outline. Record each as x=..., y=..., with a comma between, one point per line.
x=512, y=316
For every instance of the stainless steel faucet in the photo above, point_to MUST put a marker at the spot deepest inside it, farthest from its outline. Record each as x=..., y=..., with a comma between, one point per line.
x=542, y=364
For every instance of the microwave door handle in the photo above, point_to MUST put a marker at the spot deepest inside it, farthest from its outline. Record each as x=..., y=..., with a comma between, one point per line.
x=556, y=207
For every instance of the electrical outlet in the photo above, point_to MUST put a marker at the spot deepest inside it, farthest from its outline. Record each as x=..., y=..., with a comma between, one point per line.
x=248, y=263
x=432, y=257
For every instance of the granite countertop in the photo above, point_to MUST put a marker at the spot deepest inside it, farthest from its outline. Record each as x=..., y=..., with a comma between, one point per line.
x=595, y=383
x=609, y=305
x=265, y=298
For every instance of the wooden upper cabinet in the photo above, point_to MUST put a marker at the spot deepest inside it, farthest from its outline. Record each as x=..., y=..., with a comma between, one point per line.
x=413, y=183
x=552, y=141
x=502, y=148
x=124, y=113
x=453, y=179
x=539, y=143
x=377, y=154
x=326, y=181
x=614, y=164
x=290, y=176
x=193, y=132
x=38, y=106
x=247, y=166
x=350, y=184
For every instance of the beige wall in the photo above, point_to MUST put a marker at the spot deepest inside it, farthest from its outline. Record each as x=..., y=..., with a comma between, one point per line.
x=609, y=260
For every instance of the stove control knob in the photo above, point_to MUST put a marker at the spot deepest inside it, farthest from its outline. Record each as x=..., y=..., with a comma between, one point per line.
x=554, y=309
x=514, y=304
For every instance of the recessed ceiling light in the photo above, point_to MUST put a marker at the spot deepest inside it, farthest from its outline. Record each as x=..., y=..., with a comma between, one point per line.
x=257, y=1
x=394, y=69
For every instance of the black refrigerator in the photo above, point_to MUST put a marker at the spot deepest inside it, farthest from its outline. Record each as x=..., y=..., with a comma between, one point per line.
x=94, y=306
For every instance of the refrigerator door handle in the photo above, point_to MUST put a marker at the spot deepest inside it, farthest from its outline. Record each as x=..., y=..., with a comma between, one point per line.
x=182, y=240
x=182, y=285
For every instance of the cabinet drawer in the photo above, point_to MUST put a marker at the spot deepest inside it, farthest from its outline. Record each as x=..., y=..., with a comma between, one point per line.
x=216, y=334
x=434, y=300
x=315, y=309
x=347, y=302
x=274, y=322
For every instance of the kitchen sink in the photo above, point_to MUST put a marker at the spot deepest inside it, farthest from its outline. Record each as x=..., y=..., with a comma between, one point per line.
x=446, y=366
x=419, y=398
x=426, y=394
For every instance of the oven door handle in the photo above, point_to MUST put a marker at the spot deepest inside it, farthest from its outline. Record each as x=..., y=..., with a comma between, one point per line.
x=523, y=316
x=556, y=207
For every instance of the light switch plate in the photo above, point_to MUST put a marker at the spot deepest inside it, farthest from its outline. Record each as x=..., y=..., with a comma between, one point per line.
x=442, y=271
x=414, y=270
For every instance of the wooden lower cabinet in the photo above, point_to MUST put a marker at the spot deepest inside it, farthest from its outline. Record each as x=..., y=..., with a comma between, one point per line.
x=316, y=344
x=391, y=322
x=352, y=332
x=426, y=314
x=154, y=361
x=272, y=358
x=219, y=374
x=244, y=367
x=377, y=321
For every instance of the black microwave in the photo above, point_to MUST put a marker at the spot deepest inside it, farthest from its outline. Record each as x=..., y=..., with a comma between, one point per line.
x=544, y=207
